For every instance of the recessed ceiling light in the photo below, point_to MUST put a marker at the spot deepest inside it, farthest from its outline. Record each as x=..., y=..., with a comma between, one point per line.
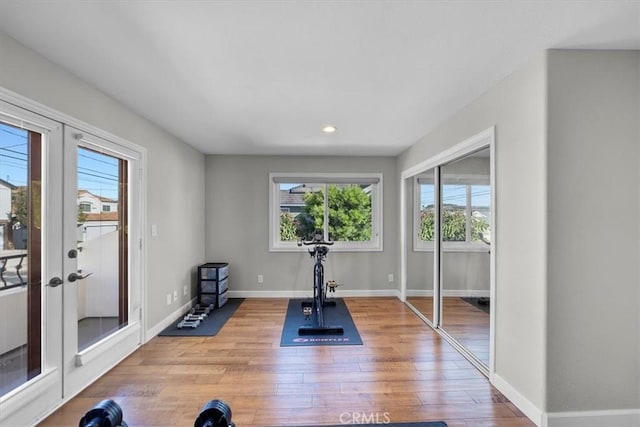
x=329, y=129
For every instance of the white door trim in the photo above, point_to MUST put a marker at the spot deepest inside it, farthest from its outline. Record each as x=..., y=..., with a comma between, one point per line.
x=22, y=398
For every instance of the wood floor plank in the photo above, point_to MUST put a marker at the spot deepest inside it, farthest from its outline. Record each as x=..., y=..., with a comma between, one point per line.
x=404, y=371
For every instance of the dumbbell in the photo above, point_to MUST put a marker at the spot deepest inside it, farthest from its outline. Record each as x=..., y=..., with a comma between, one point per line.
x=215, y=413
x=202, y=310
x=105, y=414
x=188, y=324
x=198, y=312
x=191, y=317
x=206, y=309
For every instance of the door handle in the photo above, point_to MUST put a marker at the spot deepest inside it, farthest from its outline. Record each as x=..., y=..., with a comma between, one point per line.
x=55, y=282
x=77, y=276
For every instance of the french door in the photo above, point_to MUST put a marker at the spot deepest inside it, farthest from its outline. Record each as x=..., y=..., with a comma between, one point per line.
x=101, y=247
x=31, y=352
x=70, y=257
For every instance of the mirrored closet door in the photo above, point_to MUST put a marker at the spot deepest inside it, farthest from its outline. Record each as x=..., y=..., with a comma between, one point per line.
x=420, y=252
x=465, y=195
x=448, y=266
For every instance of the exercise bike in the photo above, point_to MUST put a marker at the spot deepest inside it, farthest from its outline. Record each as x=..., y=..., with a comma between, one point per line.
x=316, y=307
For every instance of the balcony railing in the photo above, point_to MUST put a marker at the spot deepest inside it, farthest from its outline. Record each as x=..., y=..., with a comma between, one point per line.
x=12, y=270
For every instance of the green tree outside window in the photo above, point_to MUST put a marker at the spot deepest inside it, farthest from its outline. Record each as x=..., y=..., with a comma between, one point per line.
x=350, y=209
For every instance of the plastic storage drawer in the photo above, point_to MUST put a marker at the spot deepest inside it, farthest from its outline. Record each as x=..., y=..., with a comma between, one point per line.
x=222, y=299
x=214, y=271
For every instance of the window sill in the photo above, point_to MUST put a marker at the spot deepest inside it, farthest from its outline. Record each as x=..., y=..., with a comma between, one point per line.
x=334, y=248
x=461, y=248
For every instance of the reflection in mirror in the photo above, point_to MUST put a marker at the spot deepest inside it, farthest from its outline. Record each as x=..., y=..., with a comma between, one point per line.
x=420, y=210
x=466, y=243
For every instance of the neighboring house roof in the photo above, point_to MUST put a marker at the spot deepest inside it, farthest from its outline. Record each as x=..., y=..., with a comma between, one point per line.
x=102, y=199
x=102, y=216
x=287, y=198
x=7, y=184
x=295, y=195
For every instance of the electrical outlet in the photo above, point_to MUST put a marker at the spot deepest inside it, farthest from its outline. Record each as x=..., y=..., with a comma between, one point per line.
x=175, y=295
x=168, y=299
x=260, y=278
x=391, y=278
x=185, y=290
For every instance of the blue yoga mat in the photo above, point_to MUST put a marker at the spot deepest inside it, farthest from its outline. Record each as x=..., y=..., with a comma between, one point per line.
x=338, y=315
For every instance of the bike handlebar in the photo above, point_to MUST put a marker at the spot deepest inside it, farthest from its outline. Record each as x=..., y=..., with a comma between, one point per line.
x=314, y=243
x=317, y=242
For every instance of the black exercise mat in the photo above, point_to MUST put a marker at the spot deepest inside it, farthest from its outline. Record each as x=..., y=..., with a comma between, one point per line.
x=338, y=315
x=422, y=424
x=481, y=303
x=210, y=326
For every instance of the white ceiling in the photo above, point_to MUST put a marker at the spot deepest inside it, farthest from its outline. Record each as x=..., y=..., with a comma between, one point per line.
x=263, y=77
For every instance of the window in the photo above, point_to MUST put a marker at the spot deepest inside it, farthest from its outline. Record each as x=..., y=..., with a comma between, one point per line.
x=466, y=212
x=106, y=208
x=84, y=207
x=346, y=208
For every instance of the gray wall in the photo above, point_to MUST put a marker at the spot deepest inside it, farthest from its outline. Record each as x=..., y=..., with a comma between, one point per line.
x=175, y=171
x=237, y=231
x=593, y=234
x=516, y=106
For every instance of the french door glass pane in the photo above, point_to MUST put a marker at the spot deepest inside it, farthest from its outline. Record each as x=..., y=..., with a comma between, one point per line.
x=102, y=246
x=20, y=256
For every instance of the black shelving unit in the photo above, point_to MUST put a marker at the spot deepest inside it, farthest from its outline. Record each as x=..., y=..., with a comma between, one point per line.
x=213, y=283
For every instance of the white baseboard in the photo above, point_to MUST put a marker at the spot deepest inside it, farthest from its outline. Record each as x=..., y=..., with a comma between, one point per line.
x=522, y=403
x=612, y=418
x=309, y=294
x=465, y=293
x=164, y=323
x=617, y=418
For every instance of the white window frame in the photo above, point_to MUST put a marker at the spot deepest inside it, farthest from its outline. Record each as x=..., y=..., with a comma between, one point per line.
x=468, y=245
x=373, y=245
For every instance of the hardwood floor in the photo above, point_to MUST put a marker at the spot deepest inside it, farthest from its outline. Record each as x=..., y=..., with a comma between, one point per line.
x=404, y=371
x=468, y=324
